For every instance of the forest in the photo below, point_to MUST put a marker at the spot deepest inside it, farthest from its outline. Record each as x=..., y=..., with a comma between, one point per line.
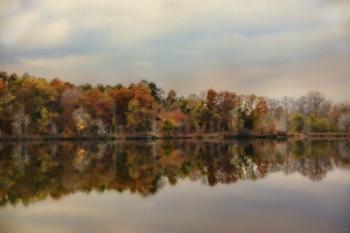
x=34, y=107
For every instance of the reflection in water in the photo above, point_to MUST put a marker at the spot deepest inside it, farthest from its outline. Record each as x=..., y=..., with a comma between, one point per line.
x=31, y=172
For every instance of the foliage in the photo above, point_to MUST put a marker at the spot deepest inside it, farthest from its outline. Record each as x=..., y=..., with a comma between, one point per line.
x=32, y=106
x=298, y=122
x=167, y=127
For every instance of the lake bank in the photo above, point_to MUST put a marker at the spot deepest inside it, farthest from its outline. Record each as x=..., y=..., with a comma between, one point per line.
x=207, y=136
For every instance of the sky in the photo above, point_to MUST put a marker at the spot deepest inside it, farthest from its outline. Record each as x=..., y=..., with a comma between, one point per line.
x=267, y=47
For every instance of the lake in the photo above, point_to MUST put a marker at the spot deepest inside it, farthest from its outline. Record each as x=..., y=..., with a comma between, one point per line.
x=175, y=186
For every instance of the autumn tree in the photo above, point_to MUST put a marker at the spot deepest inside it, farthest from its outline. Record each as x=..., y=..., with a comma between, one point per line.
x=251, y=110
x=156, y=92
x=120, y=104
x=227, y=105
x=100, y=107
x=34, y=106
x=141, y=109
x=6, y=103
x=210, y=116
x=69, y=102
x=313, y=103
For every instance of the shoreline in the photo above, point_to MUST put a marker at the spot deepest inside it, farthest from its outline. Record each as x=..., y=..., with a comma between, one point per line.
x=199, y=137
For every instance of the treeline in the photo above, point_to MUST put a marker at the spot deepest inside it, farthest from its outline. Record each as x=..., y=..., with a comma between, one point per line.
x=31, y=172
x=32, y=106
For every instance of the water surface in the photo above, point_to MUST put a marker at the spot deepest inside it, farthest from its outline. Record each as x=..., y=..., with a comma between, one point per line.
x=175, y=186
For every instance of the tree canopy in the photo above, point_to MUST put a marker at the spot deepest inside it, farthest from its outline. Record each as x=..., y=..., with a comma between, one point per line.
x=34, y=106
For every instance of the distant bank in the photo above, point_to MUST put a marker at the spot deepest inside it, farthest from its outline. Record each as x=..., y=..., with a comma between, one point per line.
x=34, y=108
x=207, y=136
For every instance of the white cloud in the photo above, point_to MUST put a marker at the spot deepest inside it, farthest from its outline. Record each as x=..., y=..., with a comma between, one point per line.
x=328, y=75
x=60, y=62
x=31, y=29
x=144, y=64
x=136, y=20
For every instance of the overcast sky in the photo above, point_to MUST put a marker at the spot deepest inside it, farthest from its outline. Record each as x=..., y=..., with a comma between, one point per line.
x=267, y=47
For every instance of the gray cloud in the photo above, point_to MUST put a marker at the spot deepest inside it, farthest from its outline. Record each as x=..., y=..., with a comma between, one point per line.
x=272, y=47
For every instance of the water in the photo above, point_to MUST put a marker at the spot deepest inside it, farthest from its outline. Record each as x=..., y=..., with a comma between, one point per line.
x=173, y=186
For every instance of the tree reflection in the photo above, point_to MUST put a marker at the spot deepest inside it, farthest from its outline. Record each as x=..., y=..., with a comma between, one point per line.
x=35, y=171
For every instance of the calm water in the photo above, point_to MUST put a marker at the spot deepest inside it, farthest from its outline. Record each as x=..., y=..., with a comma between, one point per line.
x=252, y=186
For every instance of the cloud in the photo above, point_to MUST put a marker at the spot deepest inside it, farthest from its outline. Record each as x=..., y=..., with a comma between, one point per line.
x=190, y=45
x=135, y=21
x=121, y=23
x=60, y=62
x=277, y=46
x=328, y=75
x=30, y=29
x=144, y=64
